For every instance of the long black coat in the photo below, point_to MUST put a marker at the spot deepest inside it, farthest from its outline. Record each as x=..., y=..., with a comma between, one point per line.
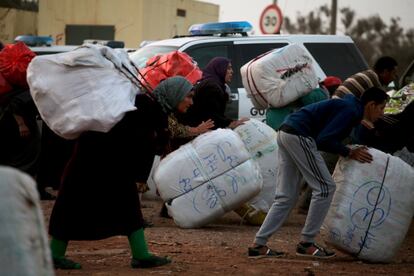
x=98, y=197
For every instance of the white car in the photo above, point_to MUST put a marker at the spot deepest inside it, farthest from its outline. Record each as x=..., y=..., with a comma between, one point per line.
x=56, y=49
x=334, y=55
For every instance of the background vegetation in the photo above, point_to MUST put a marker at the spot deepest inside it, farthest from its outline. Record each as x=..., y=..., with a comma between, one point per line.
x=372, y=35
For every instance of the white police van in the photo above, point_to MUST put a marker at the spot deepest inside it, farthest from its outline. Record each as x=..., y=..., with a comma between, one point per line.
x=55, y=49
x=334, y=55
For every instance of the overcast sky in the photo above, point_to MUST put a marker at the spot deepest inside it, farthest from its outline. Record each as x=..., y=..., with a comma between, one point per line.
x=250, y=10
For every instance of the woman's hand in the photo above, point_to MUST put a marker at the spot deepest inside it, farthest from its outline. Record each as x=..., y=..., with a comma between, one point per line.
x=23, y=129
x=360, y=154
x=237, y=123
x=204, y=126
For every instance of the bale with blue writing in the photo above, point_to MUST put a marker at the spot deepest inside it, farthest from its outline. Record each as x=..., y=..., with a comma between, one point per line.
x=260, y=141
x=206, y=178
x=372, y=207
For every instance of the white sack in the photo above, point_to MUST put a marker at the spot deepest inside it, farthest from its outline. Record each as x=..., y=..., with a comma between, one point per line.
x=213, y=174
x=24, y=246
x=372, y=208
x=206, y=157
x=260, y=141
x=279, y=77
x=213, y=199
x=405, y=155
x=89, y=88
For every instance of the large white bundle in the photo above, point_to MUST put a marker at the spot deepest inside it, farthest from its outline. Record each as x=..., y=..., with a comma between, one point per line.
x=198, y=172
x=216, y=197
x=372, y=207
x=405, y=155
x=279, y=77
x=24, y=246
x=89, y=88
x=260, y=141
x=204, y=158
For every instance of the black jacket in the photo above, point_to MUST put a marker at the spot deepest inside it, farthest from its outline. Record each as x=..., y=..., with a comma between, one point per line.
x=209, y=103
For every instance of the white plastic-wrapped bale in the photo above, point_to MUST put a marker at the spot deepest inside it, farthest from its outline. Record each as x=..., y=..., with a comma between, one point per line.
x=260, y=141
x=24, y=246
x=279, y=77
x=405, y=155
x=206, y=178
x=68, y=95
x=372, y=207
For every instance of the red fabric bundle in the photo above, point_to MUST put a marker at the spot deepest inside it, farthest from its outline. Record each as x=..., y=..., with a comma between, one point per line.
x=14, y=60
x=161, y=67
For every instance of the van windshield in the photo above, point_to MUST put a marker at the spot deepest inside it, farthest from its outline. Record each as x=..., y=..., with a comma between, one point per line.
x=140, y=57
x=338, y=59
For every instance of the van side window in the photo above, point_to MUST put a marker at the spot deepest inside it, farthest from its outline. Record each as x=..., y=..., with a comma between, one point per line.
x=247, y=52
x=204, y=54
x=337, y=59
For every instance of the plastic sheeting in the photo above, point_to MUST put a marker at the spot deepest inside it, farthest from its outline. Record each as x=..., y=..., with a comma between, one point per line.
x=89, y=88
x=372, y=207
x=207, y=177
x=214, y=198
x=279, y=77
x=260, y=141
x=24, y=247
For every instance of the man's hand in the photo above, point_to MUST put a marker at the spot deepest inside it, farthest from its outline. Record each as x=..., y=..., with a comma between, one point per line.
x=360, y=154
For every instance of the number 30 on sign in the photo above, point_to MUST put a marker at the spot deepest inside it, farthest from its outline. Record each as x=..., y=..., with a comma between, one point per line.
x=271, y=20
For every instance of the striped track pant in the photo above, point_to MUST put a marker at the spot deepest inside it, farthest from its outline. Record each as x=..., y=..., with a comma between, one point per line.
x=298, y=157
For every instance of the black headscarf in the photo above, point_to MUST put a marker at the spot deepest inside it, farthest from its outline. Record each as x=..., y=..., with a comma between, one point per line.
x=216, y=69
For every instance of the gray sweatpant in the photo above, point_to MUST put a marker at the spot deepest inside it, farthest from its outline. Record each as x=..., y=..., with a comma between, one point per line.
x=298, y=156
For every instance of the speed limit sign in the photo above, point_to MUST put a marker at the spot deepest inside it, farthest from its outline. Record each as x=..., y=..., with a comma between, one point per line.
x=271, y=20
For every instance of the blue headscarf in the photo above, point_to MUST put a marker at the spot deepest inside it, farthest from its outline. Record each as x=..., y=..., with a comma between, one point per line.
x=216, y=69
x=171, y=92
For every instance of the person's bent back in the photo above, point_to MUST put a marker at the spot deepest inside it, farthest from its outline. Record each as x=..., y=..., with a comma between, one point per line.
x=384, y=71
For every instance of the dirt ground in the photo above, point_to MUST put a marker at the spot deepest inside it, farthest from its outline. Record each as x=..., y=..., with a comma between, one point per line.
x=221, y=249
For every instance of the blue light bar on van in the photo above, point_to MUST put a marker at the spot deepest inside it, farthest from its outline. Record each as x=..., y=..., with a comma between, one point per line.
x=220, y=28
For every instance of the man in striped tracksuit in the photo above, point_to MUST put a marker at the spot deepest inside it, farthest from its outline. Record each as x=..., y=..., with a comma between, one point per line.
x=384, y=71
x=319, y=126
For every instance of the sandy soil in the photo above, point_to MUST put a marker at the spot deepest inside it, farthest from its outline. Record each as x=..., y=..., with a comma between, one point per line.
x=221, y=249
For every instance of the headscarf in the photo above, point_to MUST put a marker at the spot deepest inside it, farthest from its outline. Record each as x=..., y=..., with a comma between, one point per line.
x=216, y=69
x=171, y=92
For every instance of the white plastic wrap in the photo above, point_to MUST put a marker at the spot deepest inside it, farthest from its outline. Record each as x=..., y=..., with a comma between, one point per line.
x=260, y=141
x=279, y=77
x=89, y=88
x=24, y=244
x=372, y=208
x=204, y=158
x=212, y=174
x=214, y=198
